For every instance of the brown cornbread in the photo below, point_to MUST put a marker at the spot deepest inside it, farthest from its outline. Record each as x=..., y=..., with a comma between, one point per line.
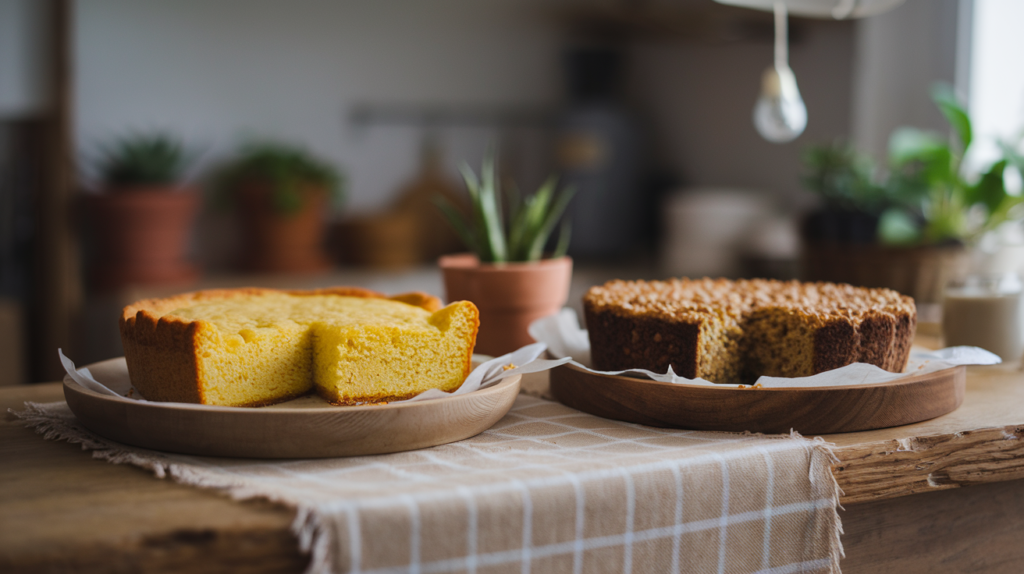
x=734, y=331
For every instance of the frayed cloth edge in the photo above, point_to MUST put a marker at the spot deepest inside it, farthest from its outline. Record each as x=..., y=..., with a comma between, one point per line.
x=823, y=458
x=310, y=527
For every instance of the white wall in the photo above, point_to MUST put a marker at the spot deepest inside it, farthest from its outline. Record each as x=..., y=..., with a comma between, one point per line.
x=216, y=70
x=701, y=102
x=997, y=77
x=221, y=71
x=899, y=56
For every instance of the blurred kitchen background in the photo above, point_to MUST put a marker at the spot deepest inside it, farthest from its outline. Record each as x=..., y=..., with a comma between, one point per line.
x=644, y=105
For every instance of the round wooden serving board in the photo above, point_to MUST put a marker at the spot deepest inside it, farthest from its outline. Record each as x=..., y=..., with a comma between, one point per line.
x=809, y=410
x=307, y=427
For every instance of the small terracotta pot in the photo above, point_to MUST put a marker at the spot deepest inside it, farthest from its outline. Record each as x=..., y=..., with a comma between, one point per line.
x=142, y=235
x=276, y=242
x=510, y=296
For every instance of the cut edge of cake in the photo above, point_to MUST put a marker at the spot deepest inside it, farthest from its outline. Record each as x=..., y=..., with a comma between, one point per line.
x=161, y=350
x=451, y=360
x=635, y=336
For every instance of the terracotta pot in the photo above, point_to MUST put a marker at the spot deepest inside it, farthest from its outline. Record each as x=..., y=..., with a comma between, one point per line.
x=142, y=235
x=510, y=296
x=920, y=272
x=278, y=242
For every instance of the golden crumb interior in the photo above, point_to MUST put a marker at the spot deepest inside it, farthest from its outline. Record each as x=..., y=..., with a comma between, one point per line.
x=720, y=344
x=392, y=360
x=262, y=349
x=779, y=342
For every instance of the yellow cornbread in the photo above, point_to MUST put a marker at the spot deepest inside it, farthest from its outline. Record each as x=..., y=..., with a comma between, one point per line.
x=251, y=347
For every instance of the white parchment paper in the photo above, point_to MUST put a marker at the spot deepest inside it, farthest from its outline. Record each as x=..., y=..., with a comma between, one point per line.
x=564, y=338
x=486, y=374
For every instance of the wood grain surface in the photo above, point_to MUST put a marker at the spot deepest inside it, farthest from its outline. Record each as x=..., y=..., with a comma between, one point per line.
x=61, y=510
x=968, y=531
x=817, y=410
x=304, y=428
x=980, y=442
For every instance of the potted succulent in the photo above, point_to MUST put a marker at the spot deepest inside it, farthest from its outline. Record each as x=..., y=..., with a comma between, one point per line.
x=917, y=227
x=143, y=215
x=507, y=275
x=282, y=194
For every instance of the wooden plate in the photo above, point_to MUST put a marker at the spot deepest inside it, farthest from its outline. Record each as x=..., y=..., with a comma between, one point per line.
x=307, y=427
x=810, y=410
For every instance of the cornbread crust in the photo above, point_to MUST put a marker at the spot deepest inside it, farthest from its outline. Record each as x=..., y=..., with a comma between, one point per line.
x=733, y=331
x=161, y=350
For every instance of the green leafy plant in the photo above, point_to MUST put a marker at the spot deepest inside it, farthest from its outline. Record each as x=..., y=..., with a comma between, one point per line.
x=933, y=200
x=530, y=220
x=927, y=198
x=843, y=177
x=147, y=159
x=285, y=168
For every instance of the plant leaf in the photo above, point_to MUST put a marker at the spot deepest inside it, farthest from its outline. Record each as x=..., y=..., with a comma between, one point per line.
x=517, y=214
x=531, y=219
x=458, y=223
x=897, y=227
x=486, y=227
x=945, y=220
x=552, y=217
x=911, y=144
x=472, y=183
x=476, y=221
x=491, y=204
x=564, y=234
x=989, y=190
x=949, y=105
x=153, y=158
x=532, y=222
x=514, y=203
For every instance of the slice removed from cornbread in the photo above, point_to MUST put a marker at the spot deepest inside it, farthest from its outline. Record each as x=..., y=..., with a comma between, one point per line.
x=250, y=347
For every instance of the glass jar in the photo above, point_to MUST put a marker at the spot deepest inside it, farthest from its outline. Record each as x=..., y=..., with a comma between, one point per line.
x=985, y=310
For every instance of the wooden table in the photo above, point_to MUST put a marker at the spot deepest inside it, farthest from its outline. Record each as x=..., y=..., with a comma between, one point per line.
x=905, y=508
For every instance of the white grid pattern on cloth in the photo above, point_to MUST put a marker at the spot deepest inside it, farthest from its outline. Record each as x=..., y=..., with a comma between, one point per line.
x=769, y=487
x=510, y=556
x=723, y=528
x=518, y=458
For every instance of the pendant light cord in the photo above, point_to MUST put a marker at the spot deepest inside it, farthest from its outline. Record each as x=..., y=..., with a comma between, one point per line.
x=781, y=36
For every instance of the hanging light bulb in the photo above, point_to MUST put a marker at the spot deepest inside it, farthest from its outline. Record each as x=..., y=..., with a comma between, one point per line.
x=780, y=114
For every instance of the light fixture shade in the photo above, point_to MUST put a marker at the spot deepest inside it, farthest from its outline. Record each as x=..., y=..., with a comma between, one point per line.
x=837, y=9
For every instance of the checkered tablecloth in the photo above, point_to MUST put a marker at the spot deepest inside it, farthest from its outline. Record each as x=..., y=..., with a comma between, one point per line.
x=547, y=489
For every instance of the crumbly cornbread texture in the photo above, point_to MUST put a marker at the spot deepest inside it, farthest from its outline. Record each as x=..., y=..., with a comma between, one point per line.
x=734, y=331
x=251, y=347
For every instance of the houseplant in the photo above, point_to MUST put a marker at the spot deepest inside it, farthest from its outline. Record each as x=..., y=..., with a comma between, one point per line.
x=282, y=194
x=143, y=215
x=934, y=199
x=915, y=227
x=507, y=275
